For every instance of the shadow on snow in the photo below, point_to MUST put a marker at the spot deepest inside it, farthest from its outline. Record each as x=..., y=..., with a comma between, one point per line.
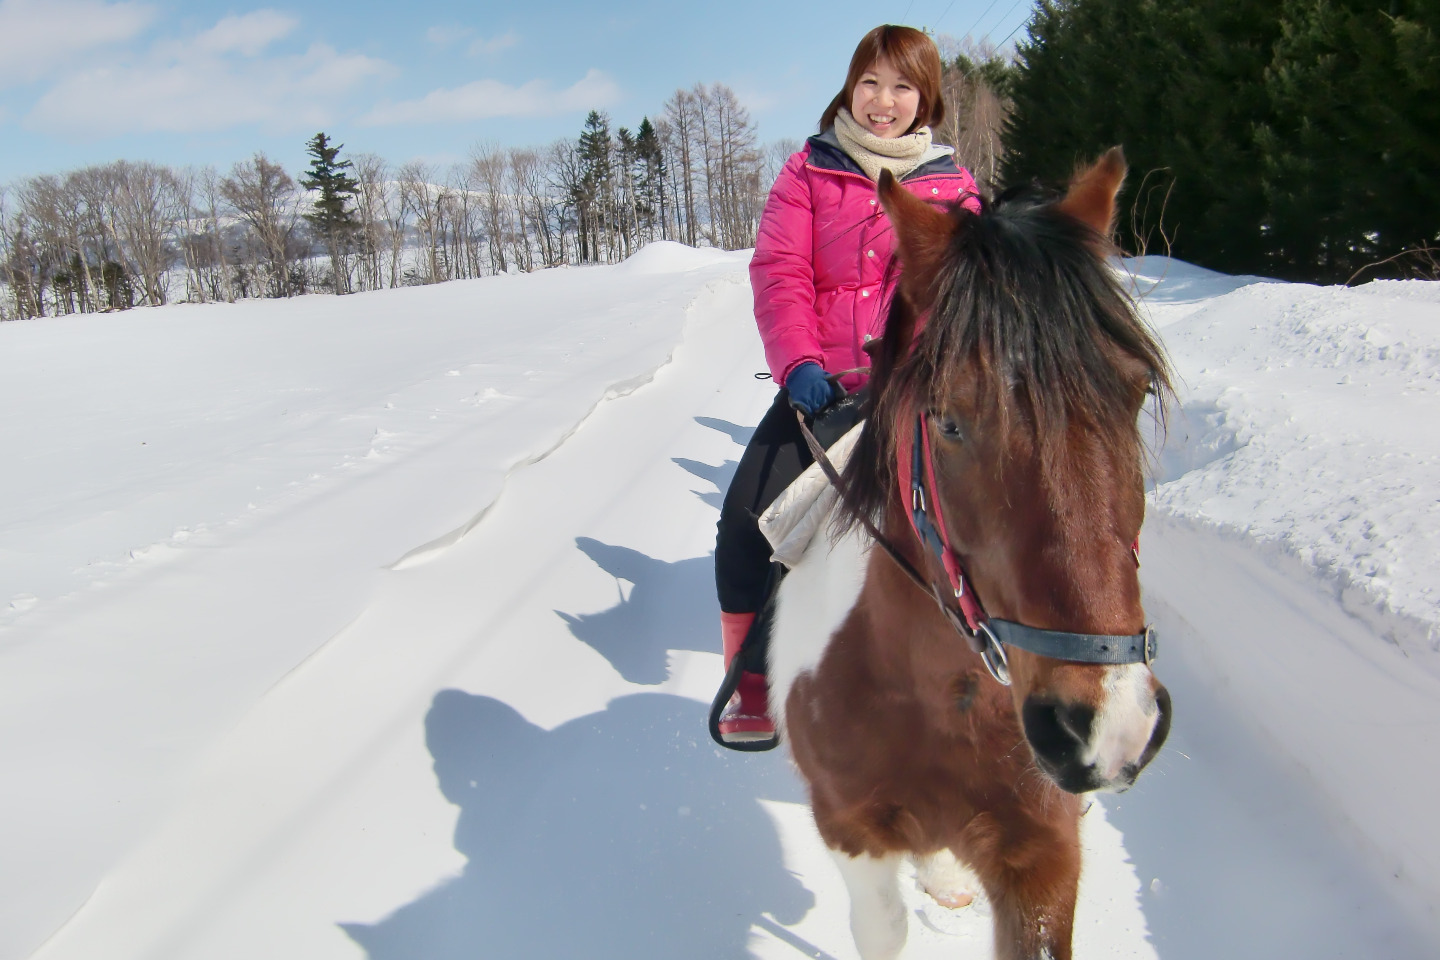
x=670, y=606
x=734, y=431
x=720, y=476
x=1235, y=854
x=621, y=834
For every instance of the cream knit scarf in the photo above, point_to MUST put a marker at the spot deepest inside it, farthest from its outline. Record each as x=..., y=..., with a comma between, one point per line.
x=899, y=156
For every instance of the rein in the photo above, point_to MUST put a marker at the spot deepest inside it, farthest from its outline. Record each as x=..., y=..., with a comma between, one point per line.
x=985, y=635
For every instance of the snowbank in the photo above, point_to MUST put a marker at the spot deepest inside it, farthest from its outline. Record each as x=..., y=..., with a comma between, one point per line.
x=1294, y=542
x=198, y=497
x=1309, y=425
x=384, y=626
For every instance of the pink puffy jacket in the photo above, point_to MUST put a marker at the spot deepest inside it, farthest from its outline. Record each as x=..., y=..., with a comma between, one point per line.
x=822, y=252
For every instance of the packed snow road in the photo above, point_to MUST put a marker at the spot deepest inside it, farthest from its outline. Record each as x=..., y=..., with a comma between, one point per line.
x=478, y=729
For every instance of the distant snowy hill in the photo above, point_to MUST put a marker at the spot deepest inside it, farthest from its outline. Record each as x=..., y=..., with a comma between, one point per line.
x=383, y=626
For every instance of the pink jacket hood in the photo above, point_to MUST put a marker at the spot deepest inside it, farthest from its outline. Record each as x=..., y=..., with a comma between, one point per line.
x=822, y=253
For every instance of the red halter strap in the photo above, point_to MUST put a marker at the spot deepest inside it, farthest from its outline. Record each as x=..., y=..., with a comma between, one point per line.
x=916, y=461
x=987, y=636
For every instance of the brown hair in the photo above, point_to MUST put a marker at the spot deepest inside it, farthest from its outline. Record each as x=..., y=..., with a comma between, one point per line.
x=911, y=53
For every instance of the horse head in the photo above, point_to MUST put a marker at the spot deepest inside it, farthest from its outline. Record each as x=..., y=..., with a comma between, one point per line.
x=1015, y=350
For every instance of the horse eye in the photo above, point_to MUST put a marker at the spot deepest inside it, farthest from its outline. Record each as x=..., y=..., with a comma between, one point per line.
x=949, y=428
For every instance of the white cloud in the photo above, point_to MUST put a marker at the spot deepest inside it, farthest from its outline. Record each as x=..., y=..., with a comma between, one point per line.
x=445, y=36
x=481, y=46
x=486, y=99
x=215, y=80
x=249, y=34
x=40, y=37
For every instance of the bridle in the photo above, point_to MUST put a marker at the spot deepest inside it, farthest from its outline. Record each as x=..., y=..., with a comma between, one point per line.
x=988, y=636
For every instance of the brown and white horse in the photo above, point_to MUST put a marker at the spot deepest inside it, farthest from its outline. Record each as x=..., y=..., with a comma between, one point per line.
x=1015, y=359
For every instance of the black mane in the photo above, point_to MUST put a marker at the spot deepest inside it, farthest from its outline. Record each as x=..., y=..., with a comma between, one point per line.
x=1025, y=291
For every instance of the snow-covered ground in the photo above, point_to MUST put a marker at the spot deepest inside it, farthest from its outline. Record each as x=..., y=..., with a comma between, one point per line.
x=383, y=626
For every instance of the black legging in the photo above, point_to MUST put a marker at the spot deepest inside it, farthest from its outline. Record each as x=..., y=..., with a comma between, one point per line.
x=775, y=456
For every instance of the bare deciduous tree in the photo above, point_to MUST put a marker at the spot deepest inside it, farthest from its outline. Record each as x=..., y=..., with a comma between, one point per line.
x=112, y=236
x=488, y=168
x=976, y=114
x=527, y=179
x=426, y=200
x=149, y=204
x=678, y=136
x=265, y=197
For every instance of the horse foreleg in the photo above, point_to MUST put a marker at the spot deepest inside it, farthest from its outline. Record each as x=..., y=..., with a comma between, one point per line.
x=877, y=914
x=1031, y=872
x=1035, y=913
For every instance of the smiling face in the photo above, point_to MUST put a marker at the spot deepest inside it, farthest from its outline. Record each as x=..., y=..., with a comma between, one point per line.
x=884, y=101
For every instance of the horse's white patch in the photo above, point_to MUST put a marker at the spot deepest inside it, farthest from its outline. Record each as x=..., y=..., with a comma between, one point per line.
x=877, y=913
x=815, y=598
x=1125, y=721
x=946, y=879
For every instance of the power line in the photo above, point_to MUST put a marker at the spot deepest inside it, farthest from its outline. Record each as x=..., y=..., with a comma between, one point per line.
x=1012, y=33
x=1017, y=26
x=978, y=19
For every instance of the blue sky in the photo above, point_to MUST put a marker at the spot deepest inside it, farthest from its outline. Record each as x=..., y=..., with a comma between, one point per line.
x=88, y=81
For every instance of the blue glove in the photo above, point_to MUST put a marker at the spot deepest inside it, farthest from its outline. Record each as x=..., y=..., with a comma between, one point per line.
x=810, y=392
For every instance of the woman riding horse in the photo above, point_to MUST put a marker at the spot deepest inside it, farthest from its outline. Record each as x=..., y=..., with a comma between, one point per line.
x=821, y=260
x=973, y=654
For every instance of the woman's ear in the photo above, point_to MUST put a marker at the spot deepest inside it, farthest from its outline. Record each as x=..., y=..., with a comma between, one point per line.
x=1091, y=197
x=922, y=237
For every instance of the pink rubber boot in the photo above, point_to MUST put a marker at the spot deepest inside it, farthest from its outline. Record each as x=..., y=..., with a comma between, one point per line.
x=746, y=716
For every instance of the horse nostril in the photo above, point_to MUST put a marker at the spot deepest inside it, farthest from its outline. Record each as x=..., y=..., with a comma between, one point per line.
x=1059, y=736
x=1057, y=731
x=1076, y=720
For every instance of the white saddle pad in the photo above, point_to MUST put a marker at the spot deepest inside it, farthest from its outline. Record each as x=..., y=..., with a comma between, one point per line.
x=792, y=521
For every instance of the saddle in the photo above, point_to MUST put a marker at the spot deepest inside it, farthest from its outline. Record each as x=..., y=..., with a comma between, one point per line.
x=791, y=522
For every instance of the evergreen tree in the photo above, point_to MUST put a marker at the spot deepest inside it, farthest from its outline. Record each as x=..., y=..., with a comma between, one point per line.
x=992, y=69
x=650, y=178
x=331, y=216
x=626, y=212
x=1297, y=138
x=1351, y=151
x=593, y=190
x=1179, y=83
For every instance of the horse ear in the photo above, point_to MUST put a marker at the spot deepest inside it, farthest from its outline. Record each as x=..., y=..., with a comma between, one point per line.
x=922, y=235
x=1091, y=197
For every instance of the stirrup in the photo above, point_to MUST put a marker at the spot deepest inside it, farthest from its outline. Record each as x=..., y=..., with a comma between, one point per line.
x=744, y=741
